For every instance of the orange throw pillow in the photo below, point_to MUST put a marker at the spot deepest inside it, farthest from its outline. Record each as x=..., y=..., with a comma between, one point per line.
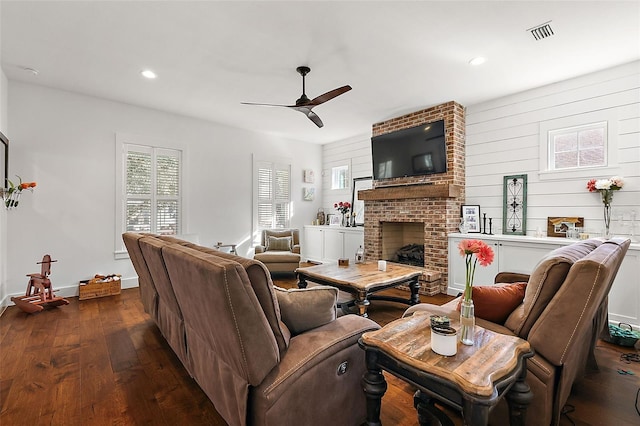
x=496, y=302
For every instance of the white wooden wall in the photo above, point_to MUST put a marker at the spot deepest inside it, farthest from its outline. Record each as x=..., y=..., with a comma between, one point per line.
x=504, y=138
x=356, y=152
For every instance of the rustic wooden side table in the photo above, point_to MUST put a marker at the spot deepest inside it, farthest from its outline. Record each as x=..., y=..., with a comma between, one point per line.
x=472, y=381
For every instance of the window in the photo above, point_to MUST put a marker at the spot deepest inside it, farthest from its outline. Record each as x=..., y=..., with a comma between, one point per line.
x=272, y=205
x=340, y=177
x=578, y=147
x=150, y=197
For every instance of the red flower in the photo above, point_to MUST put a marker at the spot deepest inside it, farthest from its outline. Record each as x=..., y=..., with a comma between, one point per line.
x=591, y=185
x=32, y=185
x=484, y=255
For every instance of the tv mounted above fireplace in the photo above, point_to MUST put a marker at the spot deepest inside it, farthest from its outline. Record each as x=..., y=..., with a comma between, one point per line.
x=415, y=151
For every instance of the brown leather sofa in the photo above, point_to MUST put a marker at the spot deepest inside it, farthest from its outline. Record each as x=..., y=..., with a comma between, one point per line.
x=563, y=313
x=221, y=315
x=275, y=255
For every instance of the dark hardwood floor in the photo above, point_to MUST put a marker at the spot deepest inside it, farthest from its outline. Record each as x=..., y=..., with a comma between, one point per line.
x=103, y=361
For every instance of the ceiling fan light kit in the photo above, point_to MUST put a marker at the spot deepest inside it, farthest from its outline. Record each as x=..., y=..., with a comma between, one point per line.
x=304, y=104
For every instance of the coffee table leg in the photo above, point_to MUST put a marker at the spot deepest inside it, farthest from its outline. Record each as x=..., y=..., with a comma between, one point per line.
x=414, y=285
x=302, y=282
x=428, y=413
x=374, y=387
x=362, y=303
x=519, y=397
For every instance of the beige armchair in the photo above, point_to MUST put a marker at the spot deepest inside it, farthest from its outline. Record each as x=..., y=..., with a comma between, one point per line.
x=279, y=250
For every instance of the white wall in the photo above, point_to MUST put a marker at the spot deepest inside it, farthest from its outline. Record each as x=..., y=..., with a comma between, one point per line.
x=504, y=138
x=66, y=142
x=3, y=212
x=356, y=152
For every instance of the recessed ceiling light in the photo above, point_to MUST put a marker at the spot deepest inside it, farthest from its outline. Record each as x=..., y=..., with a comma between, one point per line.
x=148, y=74
x=478, y=61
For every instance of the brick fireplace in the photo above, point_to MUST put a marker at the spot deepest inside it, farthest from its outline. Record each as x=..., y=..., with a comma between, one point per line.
x=431, y=203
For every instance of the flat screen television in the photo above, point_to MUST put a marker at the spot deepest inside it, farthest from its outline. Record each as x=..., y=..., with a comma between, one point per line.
x=415, y=151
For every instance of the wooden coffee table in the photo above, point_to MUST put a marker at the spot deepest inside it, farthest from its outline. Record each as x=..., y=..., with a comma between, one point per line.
x=363, y=279
x=472, y=381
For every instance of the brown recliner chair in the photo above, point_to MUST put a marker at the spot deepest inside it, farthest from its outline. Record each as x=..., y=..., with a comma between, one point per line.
x=279, y=250
x=263, y=355
x=563, y=313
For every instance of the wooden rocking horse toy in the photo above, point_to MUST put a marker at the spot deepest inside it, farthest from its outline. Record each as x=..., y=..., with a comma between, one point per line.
x=39, y=290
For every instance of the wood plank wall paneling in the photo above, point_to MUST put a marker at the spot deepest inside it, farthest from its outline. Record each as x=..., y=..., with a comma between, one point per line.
x=503, y=138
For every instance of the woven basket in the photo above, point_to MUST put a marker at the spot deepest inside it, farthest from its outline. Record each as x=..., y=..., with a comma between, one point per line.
x=623, y=334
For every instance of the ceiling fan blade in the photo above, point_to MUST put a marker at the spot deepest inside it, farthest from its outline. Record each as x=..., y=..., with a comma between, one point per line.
x=314, y=117
x=329, y=95
x=259, y=104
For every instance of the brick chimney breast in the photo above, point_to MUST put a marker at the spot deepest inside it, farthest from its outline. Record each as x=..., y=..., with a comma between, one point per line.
x=432, y=200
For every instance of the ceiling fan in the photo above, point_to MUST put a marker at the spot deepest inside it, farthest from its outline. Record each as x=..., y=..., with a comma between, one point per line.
x=304, y=104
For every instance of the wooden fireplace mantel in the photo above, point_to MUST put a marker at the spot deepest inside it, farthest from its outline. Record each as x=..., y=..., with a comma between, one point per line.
x=410, y=191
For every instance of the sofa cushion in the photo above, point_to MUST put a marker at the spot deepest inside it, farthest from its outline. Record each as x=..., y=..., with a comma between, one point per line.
x=544, y=282
x=277, y=257
x=304, y=309
x=279, y=243
x=496, y=302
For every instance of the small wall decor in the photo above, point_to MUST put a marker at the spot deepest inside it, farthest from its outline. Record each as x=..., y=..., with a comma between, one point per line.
x=308, y=194
x=470, y=214
x=309, y=176
x=514, y=207
x=558, y=226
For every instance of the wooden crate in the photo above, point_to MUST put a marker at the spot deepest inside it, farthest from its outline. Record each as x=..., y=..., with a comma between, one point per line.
x=92, y=290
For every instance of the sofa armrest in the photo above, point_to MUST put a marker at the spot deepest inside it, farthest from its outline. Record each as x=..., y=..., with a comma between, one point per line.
x=315, y=346
x=259, y=249
x=511, y=277
x=296, y=249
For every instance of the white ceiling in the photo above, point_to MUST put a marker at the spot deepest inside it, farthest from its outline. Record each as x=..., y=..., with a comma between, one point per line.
x=398, y=56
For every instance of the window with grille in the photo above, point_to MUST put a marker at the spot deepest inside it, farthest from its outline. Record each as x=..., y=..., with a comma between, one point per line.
x=272, y=205
x=578, y=147
x=152, y=189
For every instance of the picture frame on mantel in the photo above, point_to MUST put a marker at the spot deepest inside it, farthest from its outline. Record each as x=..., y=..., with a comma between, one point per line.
x=357, y=206
x=471, y=216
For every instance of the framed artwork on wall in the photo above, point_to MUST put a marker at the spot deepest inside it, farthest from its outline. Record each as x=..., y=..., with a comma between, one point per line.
x=308, y=194
x=514, y=206
x=308, y=176
x=359, y=184
x=4, y=160
x=471, y=216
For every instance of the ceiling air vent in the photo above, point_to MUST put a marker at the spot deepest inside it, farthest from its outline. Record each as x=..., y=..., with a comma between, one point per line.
x=541, y=31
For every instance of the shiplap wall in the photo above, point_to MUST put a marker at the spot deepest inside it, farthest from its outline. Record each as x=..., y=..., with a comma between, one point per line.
x=356, y=152
x=503, y=138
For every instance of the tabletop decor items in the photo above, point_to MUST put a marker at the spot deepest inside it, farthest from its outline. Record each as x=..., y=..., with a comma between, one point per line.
x=343, y=207
x=483, y=254
x=606, y=188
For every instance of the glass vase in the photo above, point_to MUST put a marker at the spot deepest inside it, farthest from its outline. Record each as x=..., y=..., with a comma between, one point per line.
x=607, y=220
x=467, y=322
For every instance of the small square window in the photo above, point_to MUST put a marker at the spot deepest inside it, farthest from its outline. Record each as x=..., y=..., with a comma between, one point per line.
x=578, y=147
x=340, y=177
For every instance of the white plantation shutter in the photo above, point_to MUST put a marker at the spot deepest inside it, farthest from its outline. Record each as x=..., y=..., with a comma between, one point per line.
x=273, y=195
x=153, y=196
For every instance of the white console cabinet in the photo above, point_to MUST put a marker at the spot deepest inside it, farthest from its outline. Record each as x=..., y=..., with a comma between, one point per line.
x=522, y=254
x=330, y=243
